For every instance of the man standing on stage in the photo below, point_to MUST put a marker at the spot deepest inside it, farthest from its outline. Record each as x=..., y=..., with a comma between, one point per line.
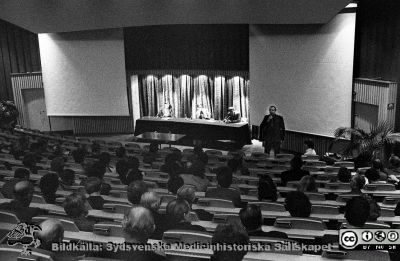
x=272, y=131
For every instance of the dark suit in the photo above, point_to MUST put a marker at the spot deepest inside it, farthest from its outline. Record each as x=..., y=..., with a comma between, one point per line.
x=272, y=132
x=232, y=117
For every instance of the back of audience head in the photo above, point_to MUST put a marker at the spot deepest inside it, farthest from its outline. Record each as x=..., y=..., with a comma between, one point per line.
x=120, y=152
x=150, y=200
x=372, y=175
x=57, y=165
x=23, y=192
x=153, y=147
x=394, y=161
x=49, y=184
x=298, y=204
x=29, y=160
x=75, y=205
x=197, y=149
x=79, y=155
x=357, y=182
x=174, y=183
x=296, y=163
x=234, y=164
x=178, y=209
x=104, y=158
x=138, y=224
x=95, y=169
x=357, y=211
x=307, y=184
x=21, y=173
x=187, y=193
x=122, y=168
x=377, y=164
x=135, y=191
x=229, y=234
x=93, y=185
x=344, y=175
x=224, y=177
x=197, y=169
x=52, y=232
x=133, y=163
x=133, y=175
x=267, y=189
x=309, y=144
x=251, y=217
x=68, y=177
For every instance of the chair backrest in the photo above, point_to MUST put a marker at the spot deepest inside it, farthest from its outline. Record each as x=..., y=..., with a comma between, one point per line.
x=346, y=164
x=323, y=209
x=270, y=206
x=338, y=185
x=68, y=224
x=274, y=242
x=369, y=225
x=213, y=152
x=166, y=198
x=259, y=155
x=186, y=236
x=332, y=169
x=315, y=163
x=215, y=202
x=156, y=174
x=132, y=145
x=8, y=217
x=300, y=223
x=345, y=197
x=112, y=229
x=310, y=157
x=117, y=207
x=380, y=186
x=284, y=156
x=315, y=196
x=226, y=218
x=387, y=212
x=391, y=200
x=292, y=184
x=252, y=192
x=38, y=199
x=12, y=253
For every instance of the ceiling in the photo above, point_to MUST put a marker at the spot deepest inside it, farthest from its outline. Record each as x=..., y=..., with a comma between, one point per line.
x=50, y=16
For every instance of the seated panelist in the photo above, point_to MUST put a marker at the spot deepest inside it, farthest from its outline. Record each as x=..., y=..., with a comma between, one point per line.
x=166, y=111
x=232, y=116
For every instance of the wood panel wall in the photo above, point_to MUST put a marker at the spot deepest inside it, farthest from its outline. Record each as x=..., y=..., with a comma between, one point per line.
x=19, y=53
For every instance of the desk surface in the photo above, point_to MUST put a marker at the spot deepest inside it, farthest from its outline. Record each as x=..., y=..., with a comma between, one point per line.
x=194, y=121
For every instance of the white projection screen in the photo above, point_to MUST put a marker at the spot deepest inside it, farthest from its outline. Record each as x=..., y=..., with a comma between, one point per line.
x=306, y=71
x=84, y=73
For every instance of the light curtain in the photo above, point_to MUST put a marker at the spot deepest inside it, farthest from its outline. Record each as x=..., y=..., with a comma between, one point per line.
x=185, y=93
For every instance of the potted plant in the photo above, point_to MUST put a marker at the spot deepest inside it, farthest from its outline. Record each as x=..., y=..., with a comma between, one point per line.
x=377, y=143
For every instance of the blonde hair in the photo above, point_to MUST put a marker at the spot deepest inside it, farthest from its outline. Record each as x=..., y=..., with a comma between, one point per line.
x=150, y=200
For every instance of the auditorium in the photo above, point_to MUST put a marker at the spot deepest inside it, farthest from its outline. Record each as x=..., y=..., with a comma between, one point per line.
x=199, y=130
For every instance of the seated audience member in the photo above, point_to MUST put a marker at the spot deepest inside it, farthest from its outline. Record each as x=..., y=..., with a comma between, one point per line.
x=134, y=172
x=57, y=165
x=357, y=212
x=93, y=186
x=79, y=156
x=120, y=152
x=152, y=202
x=174, y=183
x=344, y=175
x=105, y=158
x=377, y=165
x=150, y=156
x=394, y=165
x=196, y=176
x=295, y=173
x=188, y=193
x=236, y=164
x=198, y=154
x=267, y=189
x=76, y=207
x=307, y=184
x=97, y=169
x=52, y=232
x=232, y=116
x=48, y=186
x=18, y=148
x=374, y=208
x=223, y=191
x=298, y=204
x=309, y=144
x=122, y=169
x=67, y=179
x=178, y=211
x=135, y=190
x=173, y=164
x=357, y=183
x=229, y=234
x=372, y=175
x=20, y=174
x=23, y=193
x=251, y=219
x=138, y=226
x=29, y=161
